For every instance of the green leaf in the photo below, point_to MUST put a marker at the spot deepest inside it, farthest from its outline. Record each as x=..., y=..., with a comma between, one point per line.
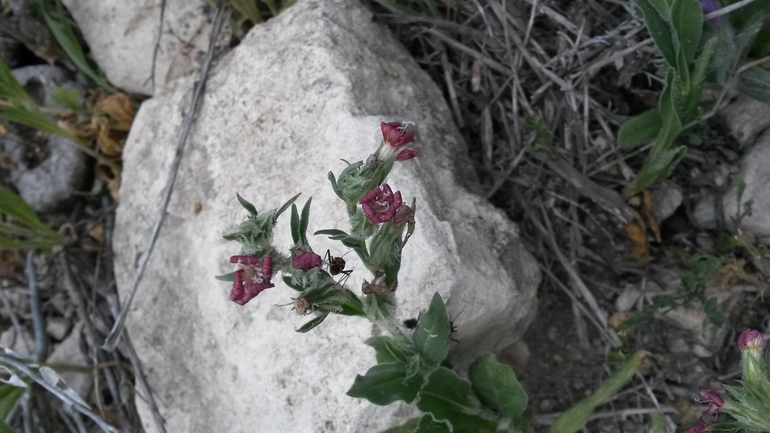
x=687, y=19
x=386, y=350
x=66, y=97
x=640, y=129
x=285, y=206
x=305, y=220
x=246, y=205
x=288, y=281
x=445, y=394
x=13, y=206
x=658, y=25
x=496, y=386
x=10, y=87
x=431, y=337
x=30, y=116
x=4, y=427
x=312, y=323
x=248, y=8
x=427, y=425
x=330, y=232
x=295, y=225
x=226, y=277
x=712, y=311
x=8, y=396
x=755, y=83
x=385, y=383
x=352, y=305
x=59, y=24
x=576, y=417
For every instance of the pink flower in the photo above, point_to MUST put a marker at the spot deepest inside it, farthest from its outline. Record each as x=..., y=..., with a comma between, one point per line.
x=252, y=279
x=714, y=398
x=306, y=260
x=395, y=136
x=750, y=340
x=699, y=427
x=407, y=154
x=380, y=204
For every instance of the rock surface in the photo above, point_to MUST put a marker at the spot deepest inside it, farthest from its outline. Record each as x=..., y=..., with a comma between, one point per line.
x=755, y=171
x=121, y=36
x=302, y=91
x=746, y=118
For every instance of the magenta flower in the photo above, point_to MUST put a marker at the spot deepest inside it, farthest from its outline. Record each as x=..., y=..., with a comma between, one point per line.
x=395, y=136
x=380, y=204
x=699, y=427
x=714, y=398
x=252, y=278
x=750, y=340
x=407, y=154
x=306, y=260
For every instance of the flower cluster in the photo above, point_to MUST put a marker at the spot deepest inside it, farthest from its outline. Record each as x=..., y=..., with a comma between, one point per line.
x=395, y=136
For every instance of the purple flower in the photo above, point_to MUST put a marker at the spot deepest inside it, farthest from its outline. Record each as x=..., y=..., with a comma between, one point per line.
x=407, y=154
x=252, y=278
x=699, y=427
x=714, y=398
x=306, y=260
x=709, y=6
x=380, y=204
x=750, y=340
x=395, y=136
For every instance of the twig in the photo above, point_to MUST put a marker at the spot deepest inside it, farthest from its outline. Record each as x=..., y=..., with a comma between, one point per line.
x=155, y=50
x=112, y=339
x=143, y=385
x=549, y=419
x=77, y=405
x=38, y=321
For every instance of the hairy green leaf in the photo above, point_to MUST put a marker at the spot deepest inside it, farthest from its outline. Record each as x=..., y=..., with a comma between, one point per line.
x=640, y=129
x=294, y=224
x=312, y=323
x=657, y=23
x=496, y=386
x=246, y=205
x=445, y=394
x=386, y=350
x=305, y=220
x=384, y=384
x=431, y=337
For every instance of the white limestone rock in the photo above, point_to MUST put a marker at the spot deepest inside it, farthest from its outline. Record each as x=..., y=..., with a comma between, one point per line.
x=302, y=91
x=121, y=36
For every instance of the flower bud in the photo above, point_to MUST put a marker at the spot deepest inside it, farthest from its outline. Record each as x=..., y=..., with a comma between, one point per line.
x=750, y=343
x=699, y=427
x=714, y=398
x=306, y=260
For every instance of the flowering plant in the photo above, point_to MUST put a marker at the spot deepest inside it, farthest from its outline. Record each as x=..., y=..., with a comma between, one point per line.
x=749, y=402
x=411, y=365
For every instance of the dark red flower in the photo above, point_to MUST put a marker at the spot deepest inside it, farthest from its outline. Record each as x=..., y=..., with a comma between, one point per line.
x=714, y=398
x=404, y=215
x=380, y=204
x=252, y=278
x=407, y=154
x=306, y=260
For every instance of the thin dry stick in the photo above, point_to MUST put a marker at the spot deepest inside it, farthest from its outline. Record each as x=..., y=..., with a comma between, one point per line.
x=143, y=385
x=727, y=10
x=156, y=49
x=41, y=341
x=112, y=339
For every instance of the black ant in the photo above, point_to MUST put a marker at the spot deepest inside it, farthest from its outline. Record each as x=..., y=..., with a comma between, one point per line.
x=337, y=266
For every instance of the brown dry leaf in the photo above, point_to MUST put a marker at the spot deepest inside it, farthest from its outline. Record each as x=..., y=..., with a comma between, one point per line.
x=649, y=219
x=636, y=231
x=118, y=106
x=11, y=263
x=111, y=179
x=3, y=128
x=104, y=136
x=97, y=233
